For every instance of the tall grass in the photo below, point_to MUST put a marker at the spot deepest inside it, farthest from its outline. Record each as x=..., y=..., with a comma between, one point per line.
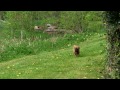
x=15, y=47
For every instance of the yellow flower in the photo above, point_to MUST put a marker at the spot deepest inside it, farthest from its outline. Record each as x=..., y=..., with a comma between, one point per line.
x=84, y=77
x=68, y=45
x=8, y=67
x=36, y=68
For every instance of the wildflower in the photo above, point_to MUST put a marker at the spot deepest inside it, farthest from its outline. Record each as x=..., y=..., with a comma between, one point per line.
x=68, y=45
x=84, y=77
x=36, y=68
x=8, y=67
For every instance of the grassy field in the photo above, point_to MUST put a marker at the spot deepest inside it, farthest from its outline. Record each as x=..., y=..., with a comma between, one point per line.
x=60, y=63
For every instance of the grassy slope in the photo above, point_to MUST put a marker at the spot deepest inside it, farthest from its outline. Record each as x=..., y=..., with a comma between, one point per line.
x=60, y=63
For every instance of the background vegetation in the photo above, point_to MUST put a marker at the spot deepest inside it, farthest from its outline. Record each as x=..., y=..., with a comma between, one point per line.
x=112, y=19
x=50, y=56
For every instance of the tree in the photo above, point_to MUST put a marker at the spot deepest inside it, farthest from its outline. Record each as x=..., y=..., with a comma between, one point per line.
x=112, y=19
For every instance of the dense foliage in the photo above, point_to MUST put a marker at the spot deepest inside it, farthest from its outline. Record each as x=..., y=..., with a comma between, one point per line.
x=113, y=31
x=74, y=20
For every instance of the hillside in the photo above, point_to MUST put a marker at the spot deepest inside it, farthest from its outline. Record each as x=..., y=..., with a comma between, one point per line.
x=61, y=63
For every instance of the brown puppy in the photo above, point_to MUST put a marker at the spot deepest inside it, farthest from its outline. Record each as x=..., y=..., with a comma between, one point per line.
x=76, y=50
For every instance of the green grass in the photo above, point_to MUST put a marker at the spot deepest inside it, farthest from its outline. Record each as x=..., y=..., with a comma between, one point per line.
x=12, y=48
x=60, y=63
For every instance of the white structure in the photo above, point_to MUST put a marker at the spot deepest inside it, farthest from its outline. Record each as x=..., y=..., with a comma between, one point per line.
x=37, y=28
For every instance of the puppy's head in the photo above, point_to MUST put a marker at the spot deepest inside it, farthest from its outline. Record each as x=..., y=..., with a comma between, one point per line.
x=76, y=50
